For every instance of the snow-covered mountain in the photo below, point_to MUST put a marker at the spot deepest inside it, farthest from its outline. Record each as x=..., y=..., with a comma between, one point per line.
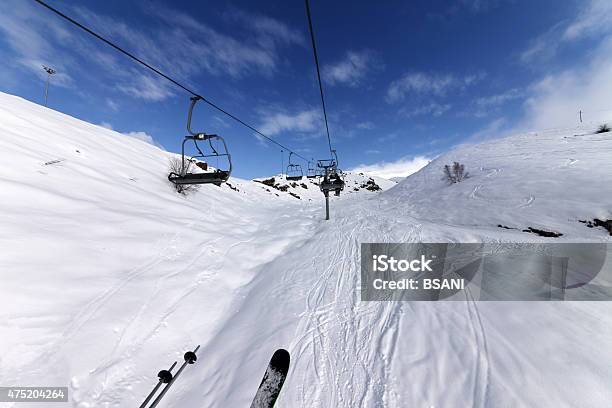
x=108, y=276
x=308, y=188
x=551, y=181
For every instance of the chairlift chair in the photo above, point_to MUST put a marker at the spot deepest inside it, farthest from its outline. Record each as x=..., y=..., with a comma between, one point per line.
x=217, y=176
x=333, y=182
x=294, y=171
x=324, y=164
x=311, y=172
x=332, y=178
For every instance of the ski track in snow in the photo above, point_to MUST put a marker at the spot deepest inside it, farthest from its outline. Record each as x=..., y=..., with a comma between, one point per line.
x=528, y=201
x=243, y=275
x=478, y=195
x=351, y=345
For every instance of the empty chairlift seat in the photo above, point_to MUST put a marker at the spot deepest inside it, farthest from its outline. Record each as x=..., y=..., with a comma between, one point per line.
x=204, y=149
x=311, y=171
x=294, y=171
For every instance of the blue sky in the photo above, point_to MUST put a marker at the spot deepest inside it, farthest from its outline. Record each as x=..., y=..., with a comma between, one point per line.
x=404, y=81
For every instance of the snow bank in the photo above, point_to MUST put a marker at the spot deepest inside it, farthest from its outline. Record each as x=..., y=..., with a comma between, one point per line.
x=546, y=180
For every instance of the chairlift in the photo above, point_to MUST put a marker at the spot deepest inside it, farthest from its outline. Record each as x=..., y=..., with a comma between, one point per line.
x=216, y=176
x=332, y=182
x=332, y=177
x=311, y=172
x=294, y=171
x=323, y=164
x=335, y=158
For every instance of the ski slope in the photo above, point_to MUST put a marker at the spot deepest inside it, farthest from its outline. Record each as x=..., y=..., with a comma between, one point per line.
x=108, y=276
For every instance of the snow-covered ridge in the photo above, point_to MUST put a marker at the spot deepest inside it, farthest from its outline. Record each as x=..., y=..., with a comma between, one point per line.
x=68, y=151
x=552, y=181
x=308, y=188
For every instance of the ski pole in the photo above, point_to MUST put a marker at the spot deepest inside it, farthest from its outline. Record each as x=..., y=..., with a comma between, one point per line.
x=190, y=358
x=165, y=376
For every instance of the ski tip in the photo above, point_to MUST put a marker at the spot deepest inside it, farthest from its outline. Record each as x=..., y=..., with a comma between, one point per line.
x=280, y=358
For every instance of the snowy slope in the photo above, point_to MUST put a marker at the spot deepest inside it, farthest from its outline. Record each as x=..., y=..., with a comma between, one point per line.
x=547, y=180
x=108, y=276
x=95, y=242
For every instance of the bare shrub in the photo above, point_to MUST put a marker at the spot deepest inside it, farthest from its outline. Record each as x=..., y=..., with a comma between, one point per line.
x=603, y=128
x=175, y=165
x=455, y=173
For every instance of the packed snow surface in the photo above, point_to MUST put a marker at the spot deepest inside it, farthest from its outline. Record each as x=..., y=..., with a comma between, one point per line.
x=108, y=276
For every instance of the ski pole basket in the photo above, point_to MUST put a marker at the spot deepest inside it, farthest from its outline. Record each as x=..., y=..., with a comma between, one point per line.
x=166, y=377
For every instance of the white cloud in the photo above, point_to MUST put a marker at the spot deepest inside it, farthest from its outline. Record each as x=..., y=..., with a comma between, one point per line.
x=499, y=99
x=221, y=121
x=112, y=105
x=421, y=83
x=31, y=36
x=477, y=6
x=555, y=100
x=306, y=121
x=351, y=70
x=365, y=125
x=387, y=138
x=544, y=46
x=433, y=108
x=59, y=78
x=486, y=105
x=36, y=40
x=147, y=87
x=145, y=137
x=269, y=31
x=594, y=20
x=36, y=37
x=473, y=6
x=222, y=53
x=492, y=130
x=399, y=168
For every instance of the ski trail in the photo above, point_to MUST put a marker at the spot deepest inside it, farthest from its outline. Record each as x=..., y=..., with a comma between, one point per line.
x=528, y=201
x=51, y=353
x=474, y=193
x=158, y=304
x=491, y=171
x=143, y=329
x=336, y=330
x=568, y=163
x=481, y=364
x=357, y=352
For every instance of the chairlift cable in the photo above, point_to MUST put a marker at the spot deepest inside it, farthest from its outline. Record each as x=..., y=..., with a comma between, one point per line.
x=316, y=58
x=158, y=72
